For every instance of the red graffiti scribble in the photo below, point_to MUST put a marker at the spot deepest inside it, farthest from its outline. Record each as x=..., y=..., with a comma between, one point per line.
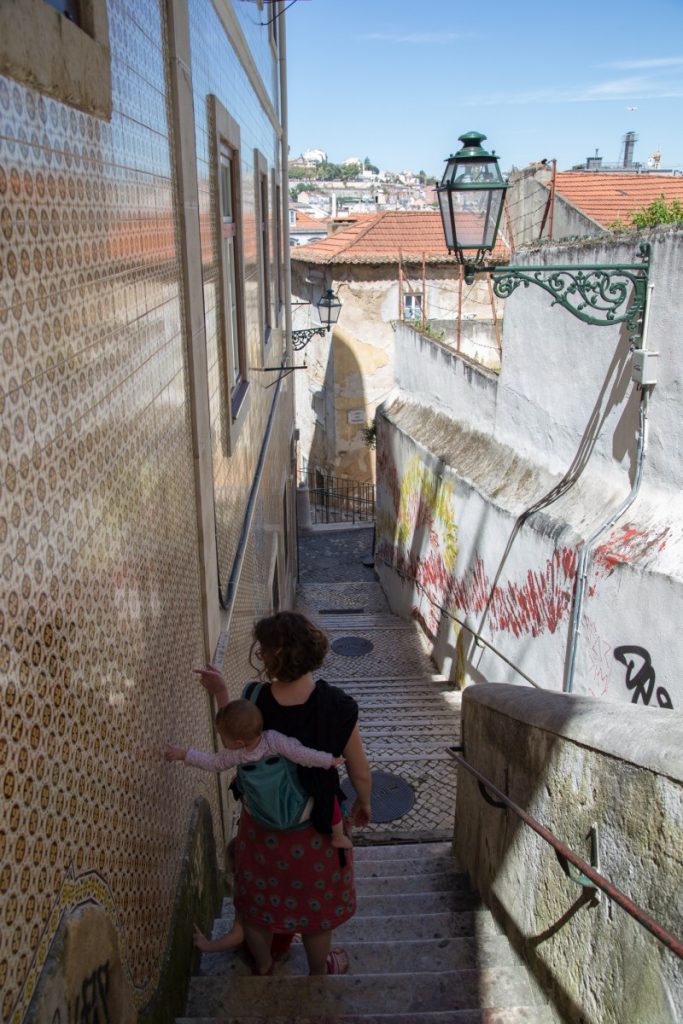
x=533, y=607
x=627, y=545
x=387, y=478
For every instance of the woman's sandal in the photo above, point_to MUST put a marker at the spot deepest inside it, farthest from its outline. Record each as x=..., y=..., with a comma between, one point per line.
x=337, y=961
x=266, y=974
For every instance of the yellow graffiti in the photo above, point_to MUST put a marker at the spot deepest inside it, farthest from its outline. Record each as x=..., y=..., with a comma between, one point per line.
x=422, y=488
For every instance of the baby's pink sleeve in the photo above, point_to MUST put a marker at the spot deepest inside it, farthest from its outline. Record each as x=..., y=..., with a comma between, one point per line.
x=297, y=752
x=217, y=762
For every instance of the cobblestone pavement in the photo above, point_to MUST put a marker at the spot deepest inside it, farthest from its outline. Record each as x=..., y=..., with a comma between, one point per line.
x=408, y=714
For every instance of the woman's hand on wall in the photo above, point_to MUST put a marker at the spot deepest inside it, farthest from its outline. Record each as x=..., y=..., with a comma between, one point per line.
x=213, y=682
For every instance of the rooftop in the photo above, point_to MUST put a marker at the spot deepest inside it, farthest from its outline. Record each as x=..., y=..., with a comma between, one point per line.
x=609, y=197
x=304, y=222
x=379, y=238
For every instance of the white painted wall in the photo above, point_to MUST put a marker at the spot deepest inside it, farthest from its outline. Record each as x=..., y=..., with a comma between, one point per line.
x=353, y=368
x=481, y=453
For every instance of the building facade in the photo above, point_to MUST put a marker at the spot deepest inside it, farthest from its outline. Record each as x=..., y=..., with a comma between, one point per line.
x=146, y=511
x=497, y=493
x=385, y=268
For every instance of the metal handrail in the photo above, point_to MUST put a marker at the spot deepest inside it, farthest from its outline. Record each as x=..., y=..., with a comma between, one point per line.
x=598, y=880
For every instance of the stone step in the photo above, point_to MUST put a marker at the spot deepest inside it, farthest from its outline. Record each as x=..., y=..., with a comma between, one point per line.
x=383, y=928
x=385, y=867
x=442, y=924
x=382, y=885
x=416, y=903
x=424, y=709
x=422, y=852
x=360, y=993
x=389, y=957
x=443, y=725
x=494, y=1015
x=346, y=622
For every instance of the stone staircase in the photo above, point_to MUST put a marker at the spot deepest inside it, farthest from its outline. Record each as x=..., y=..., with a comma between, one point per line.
x=421, y=946
x=422, y=950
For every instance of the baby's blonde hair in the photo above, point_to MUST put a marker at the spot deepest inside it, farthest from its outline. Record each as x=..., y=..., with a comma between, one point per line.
x=240, y=720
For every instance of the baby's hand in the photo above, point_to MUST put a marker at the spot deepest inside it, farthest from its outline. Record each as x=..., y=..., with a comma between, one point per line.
x=200, y=940
x=211, y=679
x=175, y=753
x=338, y=762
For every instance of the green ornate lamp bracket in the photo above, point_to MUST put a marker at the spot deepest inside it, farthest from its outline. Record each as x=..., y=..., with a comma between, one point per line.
x=300, y=339
x=595, y=293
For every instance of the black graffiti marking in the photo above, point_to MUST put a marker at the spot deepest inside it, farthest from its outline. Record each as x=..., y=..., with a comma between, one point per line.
x=92, y=1004
x=643, y=681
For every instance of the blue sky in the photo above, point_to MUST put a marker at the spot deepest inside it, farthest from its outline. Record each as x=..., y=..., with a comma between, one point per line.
x=399, y=81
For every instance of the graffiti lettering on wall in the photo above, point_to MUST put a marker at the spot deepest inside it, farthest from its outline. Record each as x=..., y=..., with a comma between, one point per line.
x=91, y=1005
x=641, y=679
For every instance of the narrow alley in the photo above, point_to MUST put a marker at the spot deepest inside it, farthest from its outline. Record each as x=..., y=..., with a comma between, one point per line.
x=422, y=948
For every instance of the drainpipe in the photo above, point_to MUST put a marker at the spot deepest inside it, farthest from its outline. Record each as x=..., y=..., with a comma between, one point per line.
x=284, y=214
x=590, y=542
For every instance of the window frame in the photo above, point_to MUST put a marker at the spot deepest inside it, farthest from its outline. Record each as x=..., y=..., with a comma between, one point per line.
x=278, y=251
x=78, y=71
x=415, y=297
x=264, y=251
x=235, y=383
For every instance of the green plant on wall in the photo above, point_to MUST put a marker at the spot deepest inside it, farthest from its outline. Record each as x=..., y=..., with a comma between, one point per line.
x=427, y=328
x=651, y=216
x=369, y=433
x=658, y=212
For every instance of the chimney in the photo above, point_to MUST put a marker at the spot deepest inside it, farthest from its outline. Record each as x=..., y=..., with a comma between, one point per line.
x=629, y=145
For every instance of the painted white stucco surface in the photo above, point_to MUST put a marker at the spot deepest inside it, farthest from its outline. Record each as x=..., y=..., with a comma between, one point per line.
x=518, y=472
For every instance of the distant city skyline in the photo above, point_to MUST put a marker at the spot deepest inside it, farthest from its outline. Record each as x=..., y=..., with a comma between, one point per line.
x=399, y=82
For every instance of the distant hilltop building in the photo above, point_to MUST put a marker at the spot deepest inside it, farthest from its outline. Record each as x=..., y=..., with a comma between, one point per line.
x=350, y=161
x=315, y=156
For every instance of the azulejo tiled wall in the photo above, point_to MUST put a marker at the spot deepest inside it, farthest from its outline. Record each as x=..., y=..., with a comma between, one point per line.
x=100, y=610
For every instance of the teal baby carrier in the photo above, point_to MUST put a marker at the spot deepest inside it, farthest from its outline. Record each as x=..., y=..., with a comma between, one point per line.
x=271, y=789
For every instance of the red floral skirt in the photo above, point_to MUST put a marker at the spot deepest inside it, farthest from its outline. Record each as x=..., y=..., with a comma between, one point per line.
x=291, y=881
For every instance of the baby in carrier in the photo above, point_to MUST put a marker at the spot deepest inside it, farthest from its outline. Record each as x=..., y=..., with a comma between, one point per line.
x=267, y=779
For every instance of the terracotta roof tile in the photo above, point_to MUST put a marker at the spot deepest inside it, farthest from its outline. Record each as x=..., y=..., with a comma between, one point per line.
x=609, y=197
x=379, y=238
x=304, y=222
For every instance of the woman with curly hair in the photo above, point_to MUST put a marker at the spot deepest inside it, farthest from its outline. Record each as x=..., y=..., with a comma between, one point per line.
x=296, y=880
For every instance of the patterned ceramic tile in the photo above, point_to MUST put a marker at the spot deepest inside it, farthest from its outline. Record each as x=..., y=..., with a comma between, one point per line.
x=100, y=606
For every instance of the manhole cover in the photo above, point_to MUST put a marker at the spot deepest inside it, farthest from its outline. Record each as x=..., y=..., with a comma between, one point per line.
x=351, y=646
x=392, y=796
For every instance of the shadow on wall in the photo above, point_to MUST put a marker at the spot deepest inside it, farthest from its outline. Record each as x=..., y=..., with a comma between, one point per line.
x=419, y=537
x=338, y=447
x=570, y=763
x=612, y=394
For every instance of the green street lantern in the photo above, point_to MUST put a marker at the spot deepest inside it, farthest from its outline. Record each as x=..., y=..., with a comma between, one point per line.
x=471, y=197
x=329, y=308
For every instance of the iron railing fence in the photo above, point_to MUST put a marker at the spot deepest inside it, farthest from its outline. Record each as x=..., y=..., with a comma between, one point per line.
x=338, y=500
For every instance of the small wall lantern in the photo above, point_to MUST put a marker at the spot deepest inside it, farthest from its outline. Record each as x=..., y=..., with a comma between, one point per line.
x=329, y=308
